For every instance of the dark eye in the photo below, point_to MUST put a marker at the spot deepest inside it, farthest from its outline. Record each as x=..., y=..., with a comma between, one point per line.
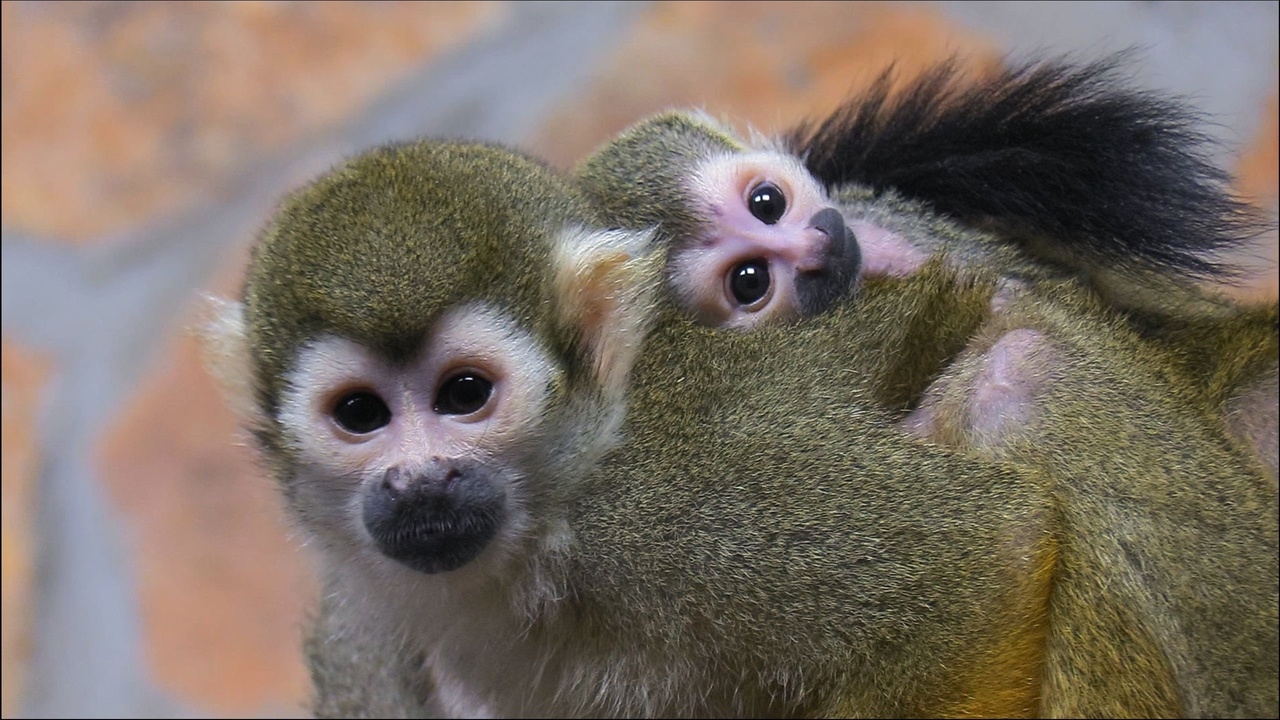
x=463, y=394
x=767, y=203
x=361, y=412
x=749, y=281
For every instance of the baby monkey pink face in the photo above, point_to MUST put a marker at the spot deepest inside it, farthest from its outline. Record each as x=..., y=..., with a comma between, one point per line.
x=773, y=247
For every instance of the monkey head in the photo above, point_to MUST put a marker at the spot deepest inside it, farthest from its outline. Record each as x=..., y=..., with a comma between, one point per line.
x=426, y=331
x=752, y=235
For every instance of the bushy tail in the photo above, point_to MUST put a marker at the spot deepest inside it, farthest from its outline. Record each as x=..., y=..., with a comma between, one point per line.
x=1069, y=155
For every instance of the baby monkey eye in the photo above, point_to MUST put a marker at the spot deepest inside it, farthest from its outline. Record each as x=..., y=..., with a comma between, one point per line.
x=749, y=281
x=361, y=412
x=463, y=394
x=767, y=203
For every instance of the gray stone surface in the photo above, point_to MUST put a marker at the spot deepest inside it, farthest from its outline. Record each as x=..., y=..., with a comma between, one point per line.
x=1220, y=55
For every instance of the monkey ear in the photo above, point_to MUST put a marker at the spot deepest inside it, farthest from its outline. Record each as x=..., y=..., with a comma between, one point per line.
x=605, y=284
x=224, y=348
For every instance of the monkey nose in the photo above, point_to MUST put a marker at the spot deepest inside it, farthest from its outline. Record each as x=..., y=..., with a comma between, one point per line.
x=830, y=222
x=437, y=476
x=843, y=254
x=395, y=481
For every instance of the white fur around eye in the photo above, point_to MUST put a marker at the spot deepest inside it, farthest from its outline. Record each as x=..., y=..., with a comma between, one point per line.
x=474, y=337
x=482, y=338
x=718, y=191
x=325, y=369
x=728, y=178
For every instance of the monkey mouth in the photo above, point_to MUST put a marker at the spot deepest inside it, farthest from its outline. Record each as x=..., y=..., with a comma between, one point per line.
x=434, y=527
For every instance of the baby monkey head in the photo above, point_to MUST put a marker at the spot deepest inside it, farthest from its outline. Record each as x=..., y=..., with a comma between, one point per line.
x=753, y=237
x=428, y=332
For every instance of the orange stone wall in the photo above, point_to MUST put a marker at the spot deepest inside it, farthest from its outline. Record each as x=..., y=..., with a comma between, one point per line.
x=129, y=128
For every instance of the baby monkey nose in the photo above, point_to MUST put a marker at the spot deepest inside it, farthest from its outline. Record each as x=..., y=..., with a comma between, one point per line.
x=840, y=264
x=843, y=255
x=830, y=222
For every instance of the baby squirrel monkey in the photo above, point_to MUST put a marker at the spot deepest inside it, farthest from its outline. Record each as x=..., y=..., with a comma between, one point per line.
x=754, y=237
x=1061, y=173
x=1064, y=171
x=525, y=502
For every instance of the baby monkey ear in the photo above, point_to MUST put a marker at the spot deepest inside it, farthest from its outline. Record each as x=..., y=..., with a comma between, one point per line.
x=224, y=349
x=606, y=282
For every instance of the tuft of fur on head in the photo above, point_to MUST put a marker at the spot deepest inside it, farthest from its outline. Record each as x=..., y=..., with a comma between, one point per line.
x=1045, y=150
x=751, y=139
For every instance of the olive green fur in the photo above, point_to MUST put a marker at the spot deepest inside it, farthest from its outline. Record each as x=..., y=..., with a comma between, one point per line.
x=1218, y=356
x=939, y=325
x=1165, y=597
x=790, y=537
x=373, y=250
x=635, y=180
x=1165, y=601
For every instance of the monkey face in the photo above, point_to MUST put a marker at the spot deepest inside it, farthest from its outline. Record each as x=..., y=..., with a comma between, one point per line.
x=432, y=335
x=771, y=249
x=428, y=456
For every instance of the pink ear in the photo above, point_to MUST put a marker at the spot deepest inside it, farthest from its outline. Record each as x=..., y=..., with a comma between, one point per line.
x=885, y=252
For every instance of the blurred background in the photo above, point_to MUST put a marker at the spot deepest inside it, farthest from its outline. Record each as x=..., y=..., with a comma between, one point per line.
x=147, y=570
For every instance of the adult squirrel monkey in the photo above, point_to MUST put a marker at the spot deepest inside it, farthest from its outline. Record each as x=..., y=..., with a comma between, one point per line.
x=536, y=486
x=523, y=505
